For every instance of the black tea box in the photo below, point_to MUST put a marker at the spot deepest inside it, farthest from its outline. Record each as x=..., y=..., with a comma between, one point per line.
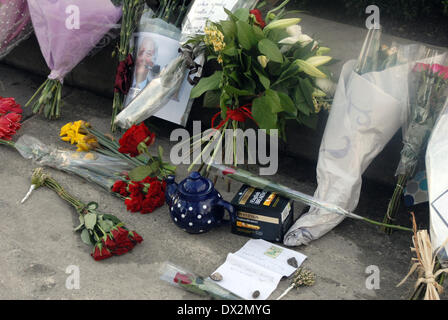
x=262, y=214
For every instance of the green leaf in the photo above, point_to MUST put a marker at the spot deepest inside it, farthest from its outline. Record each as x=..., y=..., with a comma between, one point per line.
x=307, y=90
x=90, y=221
x=160, y=153
x=322, y=50
x=258, y=33
x=207, y=84
x=85, y=237
x=246, y=36
x=211, y=99
x=263, y=79
x=309, y=69
x=228, y=28
x=301, y=103
x=263, y=115
x=79, y=227
x=273, y=101
x=270, y=50
x=141, y=172
x=238, y=92
x=287, y=103
x=242, y=14
x=106, y=225
x=230, y=51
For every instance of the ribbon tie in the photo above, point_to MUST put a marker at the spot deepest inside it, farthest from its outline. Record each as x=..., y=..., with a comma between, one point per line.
x=240, y=114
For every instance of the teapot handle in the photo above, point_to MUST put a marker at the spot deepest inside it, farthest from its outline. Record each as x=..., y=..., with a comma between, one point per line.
x=227, y=206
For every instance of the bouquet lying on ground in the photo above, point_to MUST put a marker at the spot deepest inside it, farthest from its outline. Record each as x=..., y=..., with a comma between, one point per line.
x=10, y=117
x=428, y=83
x=64, y=45
x=15, y=24
x=117, y=167
x=268, y=73
x=105, y=232
x=143, y=187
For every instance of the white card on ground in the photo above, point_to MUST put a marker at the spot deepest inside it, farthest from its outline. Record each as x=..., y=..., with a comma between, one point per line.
x=243, y=278
x=258, y=266
x=270, y=256
x=441, y=206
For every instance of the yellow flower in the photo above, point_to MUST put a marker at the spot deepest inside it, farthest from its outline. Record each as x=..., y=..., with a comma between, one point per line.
x=215, y=38
x=77, y=133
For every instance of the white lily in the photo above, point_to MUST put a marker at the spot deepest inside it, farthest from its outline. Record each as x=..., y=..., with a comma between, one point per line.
x=296, y=35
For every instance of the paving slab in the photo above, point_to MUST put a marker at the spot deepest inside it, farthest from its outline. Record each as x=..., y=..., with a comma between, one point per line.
x=38, y=242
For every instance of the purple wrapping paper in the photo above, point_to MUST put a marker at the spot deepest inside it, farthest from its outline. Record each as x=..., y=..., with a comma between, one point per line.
x=62, y=47
x=15, y=24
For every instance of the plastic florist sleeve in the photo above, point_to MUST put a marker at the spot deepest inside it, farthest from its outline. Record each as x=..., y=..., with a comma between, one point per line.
x=437, y=174
x=161, y=86
x=92, y=166
x=15, y=24
x=67, y=31
x=369, y=107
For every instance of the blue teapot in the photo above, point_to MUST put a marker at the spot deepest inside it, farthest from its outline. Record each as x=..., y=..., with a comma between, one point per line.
x=195, y=205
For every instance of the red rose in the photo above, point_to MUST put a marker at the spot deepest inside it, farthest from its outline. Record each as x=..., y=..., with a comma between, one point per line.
x=100, y=253
x=258, y=18
x=134, y=204
x=109, y=242
x=134, y=236
x=133, y=137
x=124, y=75
x=182, y=278
x=121, y=188
x=119, y=234
x=9, y=105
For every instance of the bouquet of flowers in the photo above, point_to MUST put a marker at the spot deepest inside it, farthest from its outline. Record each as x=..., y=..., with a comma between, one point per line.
x=10, y=117
x=160, y=76
x=427, y=96
x=369, y=107
x=268, y=73
x=15, y=24
x=64, y=45
x=105, y=232
x=118, y=168
x=132, y=9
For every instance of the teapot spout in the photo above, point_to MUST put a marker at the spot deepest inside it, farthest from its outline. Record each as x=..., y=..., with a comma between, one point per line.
x=171, y=188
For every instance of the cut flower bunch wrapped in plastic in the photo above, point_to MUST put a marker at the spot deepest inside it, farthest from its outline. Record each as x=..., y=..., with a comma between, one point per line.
x=63, y=45
x=268, y=74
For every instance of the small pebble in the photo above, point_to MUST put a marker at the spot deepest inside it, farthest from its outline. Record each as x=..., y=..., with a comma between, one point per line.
x=216, y=276
x=293, y=262
x=256, y=294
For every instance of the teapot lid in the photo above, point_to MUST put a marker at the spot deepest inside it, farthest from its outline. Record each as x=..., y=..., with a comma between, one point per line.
x=195, y=185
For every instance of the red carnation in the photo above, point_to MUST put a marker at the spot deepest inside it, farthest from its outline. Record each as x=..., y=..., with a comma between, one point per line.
x=258, y=18
x=135, y=188
x=121, y=188
x=100, y=252
x=133, y=137
x=9, y=124
x=134, y=204
x=9, y=105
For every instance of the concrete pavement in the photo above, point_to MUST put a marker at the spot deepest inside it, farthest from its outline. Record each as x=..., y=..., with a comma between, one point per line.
x=38, y=242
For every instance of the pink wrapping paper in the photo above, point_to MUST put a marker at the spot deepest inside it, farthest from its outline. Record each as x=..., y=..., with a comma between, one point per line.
x=15, y=24
x=64, y=47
